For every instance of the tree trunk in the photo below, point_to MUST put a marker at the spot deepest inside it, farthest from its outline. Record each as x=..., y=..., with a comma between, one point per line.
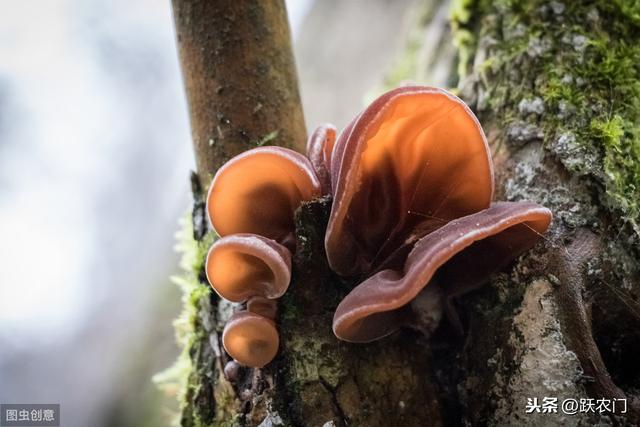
x=557, y=89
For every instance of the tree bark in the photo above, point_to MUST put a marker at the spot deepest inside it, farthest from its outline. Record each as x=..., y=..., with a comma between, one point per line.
x=563, y=322
x=240, y=78
x=546, y=78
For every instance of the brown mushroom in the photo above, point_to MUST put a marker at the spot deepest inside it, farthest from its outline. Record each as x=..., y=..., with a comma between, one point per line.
x=251, y=339
x=251, y=205
x=240, y=266
x=319, y=149
x=415, y=158
x=460, y=256
x=258, y=191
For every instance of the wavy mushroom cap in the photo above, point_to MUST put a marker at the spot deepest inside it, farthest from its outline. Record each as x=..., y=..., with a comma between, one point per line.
x=240, y=266
x=319, y=150
x=461, y=254
x=258, y=192
x=416, y=157
x=251, y=339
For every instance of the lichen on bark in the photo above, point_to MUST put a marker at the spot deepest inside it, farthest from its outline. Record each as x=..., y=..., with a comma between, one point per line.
x=556, y=87
x=574, y=70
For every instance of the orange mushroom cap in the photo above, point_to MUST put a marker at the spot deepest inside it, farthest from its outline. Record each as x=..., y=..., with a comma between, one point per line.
x=416, y=157
x=319, y=150
x=240, y=266
x=251, y=339
x=258, y=192
x=462, y=253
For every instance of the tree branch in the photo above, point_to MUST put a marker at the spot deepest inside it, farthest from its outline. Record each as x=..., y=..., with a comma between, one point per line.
x=240, y=78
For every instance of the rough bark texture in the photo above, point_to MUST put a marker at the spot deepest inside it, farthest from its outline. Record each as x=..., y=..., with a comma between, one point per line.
x=240, y=78
x=551, y=80
x=563, y=321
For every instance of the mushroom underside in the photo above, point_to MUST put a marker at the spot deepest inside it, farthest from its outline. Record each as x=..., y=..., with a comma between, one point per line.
x=461, y=255
x=241, y=266
x=415, y=156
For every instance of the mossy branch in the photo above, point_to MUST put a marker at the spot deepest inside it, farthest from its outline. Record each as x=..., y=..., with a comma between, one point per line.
x=556, y=86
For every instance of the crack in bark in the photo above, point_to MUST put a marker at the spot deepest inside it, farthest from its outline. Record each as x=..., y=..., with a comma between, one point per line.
x=568, y=264
x=343, y=420
x=198, y=211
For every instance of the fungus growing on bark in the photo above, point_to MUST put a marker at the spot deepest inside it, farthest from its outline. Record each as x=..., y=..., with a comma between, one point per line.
x=415, y=158
x=319, y=150
x=251, y=205
x=240, y=266
x=258, y=191
x=251, y=339
x=460, y=256
x=412, y=182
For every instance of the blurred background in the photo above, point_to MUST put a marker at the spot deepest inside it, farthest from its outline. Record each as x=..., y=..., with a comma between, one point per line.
x=94, y=162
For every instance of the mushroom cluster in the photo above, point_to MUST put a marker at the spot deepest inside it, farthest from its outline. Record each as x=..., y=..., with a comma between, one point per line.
x=412, y=184
x=412, y=219
x=251, y=205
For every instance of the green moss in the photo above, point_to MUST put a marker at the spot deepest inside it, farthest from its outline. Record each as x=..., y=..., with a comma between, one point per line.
x=460, y=17
x=179, y=378
x=583, y=61
x=464, y=41
x=192, y=263
x=307, y=367
x=630, y=9
x=460, y=11
x=621, y=142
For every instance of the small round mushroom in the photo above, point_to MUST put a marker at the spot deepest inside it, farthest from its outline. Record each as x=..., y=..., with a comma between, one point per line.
x=460, y=255
x=251, y=339
x=258, y=192
x=415, y=158
x=319, y=150
x=240, y=266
